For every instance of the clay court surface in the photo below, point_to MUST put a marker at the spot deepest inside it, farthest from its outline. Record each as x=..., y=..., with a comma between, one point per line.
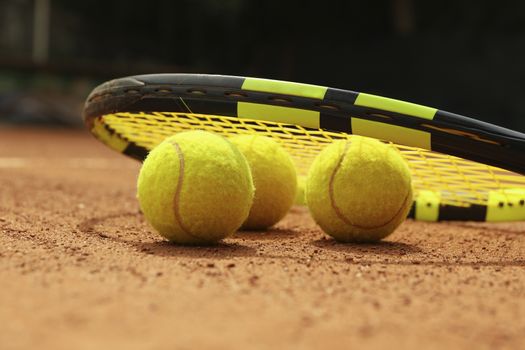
x=80, y=268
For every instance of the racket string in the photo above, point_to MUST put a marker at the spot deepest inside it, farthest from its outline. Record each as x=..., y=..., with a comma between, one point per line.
x=458, y=181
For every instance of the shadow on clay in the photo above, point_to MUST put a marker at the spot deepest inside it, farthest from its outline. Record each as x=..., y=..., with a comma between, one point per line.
x=149, y=243
x=152, y=244
x=368, y=254
x=274, y=233
x=379, y=248
x=221, y=250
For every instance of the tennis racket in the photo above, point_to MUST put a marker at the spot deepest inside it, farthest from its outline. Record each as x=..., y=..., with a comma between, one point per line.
x=463, y=169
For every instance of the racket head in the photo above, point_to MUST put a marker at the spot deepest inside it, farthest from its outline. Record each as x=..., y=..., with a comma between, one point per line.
x=464, y=160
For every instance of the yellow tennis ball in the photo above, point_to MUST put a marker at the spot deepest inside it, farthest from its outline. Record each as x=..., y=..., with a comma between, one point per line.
x=359, y=189
x=195, y=188
x=274, y=177
x=300, y=196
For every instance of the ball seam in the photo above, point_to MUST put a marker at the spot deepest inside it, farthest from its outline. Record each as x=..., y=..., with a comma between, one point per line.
x=337, y=210
x=178, y=190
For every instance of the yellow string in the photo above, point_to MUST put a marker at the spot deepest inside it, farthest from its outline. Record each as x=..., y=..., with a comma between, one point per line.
x=461, y=182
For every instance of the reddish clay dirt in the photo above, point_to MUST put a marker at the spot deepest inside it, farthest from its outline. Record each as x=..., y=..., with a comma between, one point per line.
x=80, y=268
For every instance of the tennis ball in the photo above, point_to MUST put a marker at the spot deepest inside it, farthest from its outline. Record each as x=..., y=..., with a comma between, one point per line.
x=300, y=196
x=359, y=189
x=195, y=188
x=274, y=177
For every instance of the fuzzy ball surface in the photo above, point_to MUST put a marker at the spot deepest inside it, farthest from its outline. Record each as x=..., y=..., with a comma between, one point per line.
x=195, y=188
x=300, y=196
x=274, y=177
x=359, y=190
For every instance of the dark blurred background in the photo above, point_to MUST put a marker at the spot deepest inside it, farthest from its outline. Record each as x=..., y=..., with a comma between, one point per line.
x=465, y=56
